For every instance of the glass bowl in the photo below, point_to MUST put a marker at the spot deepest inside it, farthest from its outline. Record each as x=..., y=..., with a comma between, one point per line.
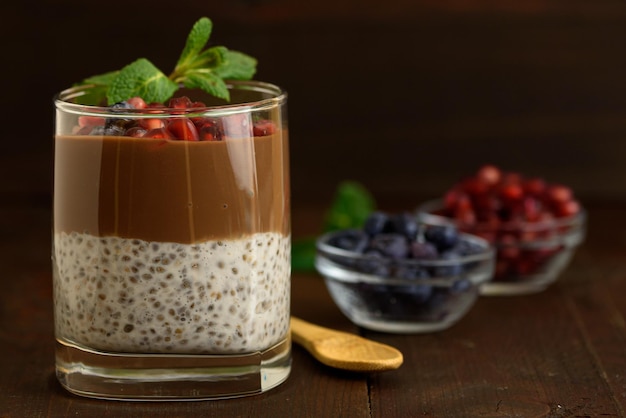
x=529, y=255
x=371, y=293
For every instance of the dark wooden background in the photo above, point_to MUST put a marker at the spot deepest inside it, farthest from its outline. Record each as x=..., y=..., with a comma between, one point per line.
x=405, y=96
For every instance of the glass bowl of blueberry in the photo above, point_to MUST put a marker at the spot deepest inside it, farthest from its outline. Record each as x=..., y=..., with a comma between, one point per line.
x=535, y=226
x=395, y=275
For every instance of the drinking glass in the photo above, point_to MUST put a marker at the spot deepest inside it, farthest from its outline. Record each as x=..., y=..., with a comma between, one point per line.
x=171, y=245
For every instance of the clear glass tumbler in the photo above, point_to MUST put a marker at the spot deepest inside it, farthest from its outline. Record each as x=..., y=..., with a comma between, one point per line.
x=171, y=246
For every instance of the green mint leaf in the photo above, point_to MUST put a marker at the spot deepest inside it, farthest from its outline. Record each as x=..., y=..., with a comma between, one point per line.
x=206, y=61
x=237, y=66
x=197, y=67
x=303, y=254
x=141, y=78
x=206, y=80
x=96, y=95
x=196, y=40
x=210, y=58
x=351, y=206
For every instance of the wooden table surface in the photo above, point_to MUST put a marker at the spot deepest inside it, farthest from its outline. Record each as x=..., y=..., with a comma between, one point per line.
x=560, y=353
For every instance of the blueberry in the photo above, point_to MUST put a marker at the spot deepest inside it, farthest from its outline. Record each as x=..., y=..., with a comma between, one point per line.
x=423, y=251
x=443, y=237
x=375, y=223
x=417, y=293
x=373, y=262
x=119, y=122
x=112, y=130
x=411, y=273
x=467, y=247
x=394, y=246
x=351, y=240
x=405, y=224
x=122, y=105
x=460, y=285
x=451, y=268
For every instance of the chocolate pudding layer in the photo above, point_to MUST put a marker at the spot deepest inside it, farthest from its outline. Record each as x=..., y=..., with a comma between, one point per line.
x=172, y=246
x=171, y=191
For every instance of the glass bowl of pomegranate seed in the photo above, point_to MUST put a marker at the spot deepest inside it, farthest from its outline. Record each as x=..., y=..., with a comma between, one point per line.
x=397, y=276
x=535, y=226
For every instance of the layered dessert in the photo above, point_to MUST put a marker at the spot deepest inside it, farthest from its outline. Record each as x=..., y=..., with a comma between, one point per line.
x=166, y=244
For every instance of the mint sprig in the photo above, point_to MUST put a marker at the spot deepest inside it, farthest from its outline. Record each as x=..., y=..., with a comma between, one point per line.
x=197, y=68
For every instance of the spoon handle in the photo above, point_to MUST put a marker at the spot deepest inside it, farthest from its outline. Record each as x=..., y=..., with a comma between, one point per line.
x=304, y=333
x=344, y=350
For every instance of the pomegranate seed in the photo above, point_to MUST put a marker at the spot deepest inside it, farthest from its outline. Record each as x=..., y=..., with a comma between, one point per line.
x=558, y=194
x=237, y=126
x=451, y=198
x=85, y=130
x=534, y=186
x=183, y=129
x=568, y=208
x=509, y=249
x=263, y=128
x=137, y=102
x=511, y=192
x=511, y=178
x=155, y=105
x=489, y=174
x=487, y=203
x=465, y=216
x=209, y=130
x=151, y=123
x=532, y=209
x=182, y=102
x=90, y=121
x=159, y=133
x=475, y=187
x=524, y=266
x=136, y=132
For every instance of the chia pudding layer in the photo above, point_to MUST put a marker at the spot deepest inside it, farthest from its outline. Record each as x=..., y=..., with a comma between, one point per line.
x=117, y=294
x=171, y=246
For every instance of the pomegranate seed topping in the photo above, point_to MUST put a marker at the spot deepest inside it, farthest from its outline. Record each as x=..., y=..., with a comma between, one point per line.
x=152, y=123
x=237, y=126
x=183, y=129
x=489, y=174
x=155, y=105
x=209, y=130
x=182, y=102
x=137, y=102
x=85, y=130
x=159, y=133
x=90, y=121
x=263, y=128
x=136, y=132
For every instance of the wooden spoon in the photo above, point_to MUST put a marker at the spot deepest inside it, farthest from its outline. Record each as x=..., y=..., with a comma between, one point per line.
x=343, y=350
